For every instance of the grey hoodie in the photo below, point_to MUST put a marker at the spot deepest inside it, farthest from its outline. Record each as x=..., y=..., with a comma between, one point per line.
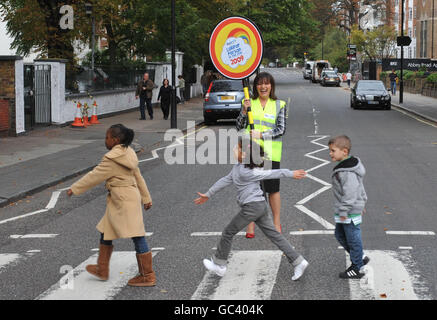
x=349, y=193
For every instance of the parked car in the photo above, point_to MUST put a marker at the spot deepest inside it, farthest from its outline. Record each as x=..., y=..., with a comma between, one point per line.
x=371, y=94
x=308, y=69
x=330, y=77
x=223, y=100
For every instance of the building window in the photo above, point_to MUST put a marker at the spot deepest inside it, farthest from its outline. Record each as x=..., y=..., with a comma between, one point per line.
x=410, y=14
x=423, y=36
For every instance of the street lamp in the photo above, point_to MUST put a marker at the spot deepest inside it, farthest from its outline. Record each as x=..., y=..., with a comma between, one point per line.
x=89, y=13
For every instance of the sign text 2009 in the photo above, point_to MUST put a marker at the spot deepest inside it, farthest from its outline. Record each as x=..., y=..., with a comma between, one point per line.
x=236, y=60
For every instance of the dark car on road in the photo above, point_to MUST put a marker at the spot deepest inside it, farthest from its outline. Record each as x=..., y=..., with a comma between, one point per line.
x=370, y=94
x=223, y=100
x=330, y=77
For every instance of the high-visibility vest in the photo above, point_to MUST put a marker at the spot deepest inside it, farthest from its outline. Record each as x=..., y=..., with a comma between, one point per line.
x=264, y=120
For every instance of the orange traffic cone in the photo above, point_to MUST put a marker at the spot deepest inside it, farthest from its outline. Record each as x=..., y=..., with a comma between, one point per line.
x=85, y=115
x=78, y=118
x=94, y=115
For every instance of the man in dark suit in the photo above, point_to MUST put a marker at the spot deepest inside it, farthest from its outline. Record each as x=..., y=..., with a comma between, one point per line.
x=144, y=91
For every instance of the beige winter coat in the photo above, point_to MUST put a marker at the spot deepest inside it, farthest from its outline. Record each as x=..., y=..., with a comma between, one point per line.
x=127, y=191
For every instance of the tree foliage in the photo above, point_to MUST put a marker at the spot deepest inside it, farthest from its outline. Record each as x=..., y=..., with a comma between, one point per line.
x=375, y=44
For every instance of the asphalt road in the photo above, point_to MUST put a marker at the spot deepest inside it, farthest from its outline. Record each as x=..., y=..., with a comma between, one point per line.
x=398, y=231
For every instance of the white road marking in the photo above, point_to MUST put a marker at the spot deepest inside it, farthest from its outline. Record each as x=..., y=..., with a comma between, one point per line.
x=123, y=266
x=210, y=234
x=8, y=258
x=250, y=275
x=312, y=232
x=27, y=236
x=406, y=248
x=389, y=276
x=326, y=186
x=412, y=233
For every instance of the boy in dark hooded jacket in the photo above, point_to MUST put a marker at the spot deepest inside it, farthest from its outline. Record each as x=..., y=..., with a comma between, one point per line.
x=350, y=200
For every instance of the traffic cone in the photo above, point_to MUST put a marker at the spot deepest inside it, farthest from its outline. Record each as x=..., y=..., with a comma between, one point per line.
x=85, y=115
x=94, y=115
x=78, y=118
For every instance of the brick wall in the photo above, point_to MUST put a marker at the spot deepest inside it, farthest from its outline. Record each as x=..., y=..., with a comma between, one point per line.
x=7, y=97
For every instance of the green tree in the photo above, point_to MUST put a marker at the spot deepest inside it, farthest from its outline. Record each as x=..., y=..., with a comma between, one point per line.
x=375, y=44
x=334, y=49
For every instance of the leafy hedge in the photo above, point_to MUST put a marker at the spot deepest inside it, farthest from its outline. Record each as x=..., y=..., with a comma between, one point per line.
x=432, y=78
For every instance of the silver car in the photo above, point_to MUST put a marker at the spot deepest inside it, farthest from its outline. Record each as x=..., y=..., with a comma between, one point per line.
x=223, y=100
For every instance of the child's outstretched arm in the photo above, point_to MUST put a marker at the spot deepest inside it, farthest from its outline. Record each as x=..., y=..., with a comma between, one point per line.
x=202, y=198
x=100, y=173
x=220, y=184
x=260, y=174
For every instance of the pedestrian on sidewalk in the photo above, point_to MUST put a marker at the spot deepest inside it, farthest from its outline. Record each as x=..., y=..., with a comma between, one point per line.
x=349, y=78
x=144, y=92
x=246, y=175
x=165, y=96
x=269, y=122
x=123, y=217
x=181, y=86
x=393, y=78
x=349, y=203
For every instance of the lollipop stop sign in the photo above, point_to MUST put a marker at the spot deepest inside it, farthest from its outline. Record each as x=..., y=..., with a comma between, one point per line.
x=236, y=50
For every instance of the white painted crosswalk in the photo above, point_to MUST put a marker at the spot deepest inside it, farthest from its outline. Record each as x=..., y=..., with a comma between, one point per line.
x=250, y=275
x=78, y=284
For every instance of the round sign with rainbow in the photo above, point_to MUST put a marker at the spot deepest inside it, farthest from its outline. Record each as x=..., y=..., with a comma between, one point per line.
x=236, y=47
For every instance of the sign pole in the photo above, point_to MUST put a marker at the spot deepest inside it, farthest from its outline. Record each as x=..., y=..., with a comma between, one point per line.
x=401, y=83
x=247, y=96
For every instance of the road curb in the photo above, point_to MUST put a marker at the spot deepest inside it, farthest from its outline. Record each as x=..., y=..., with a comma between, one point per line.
x=18, y=196
x=418, y=114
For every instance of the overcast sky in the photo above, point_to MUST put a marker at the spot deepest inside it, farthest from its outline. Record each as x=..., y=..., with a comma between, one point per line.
x=5, y=43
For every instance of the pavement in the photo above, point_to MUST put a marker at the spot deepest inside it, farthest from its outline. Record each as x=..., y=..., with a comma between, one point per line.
x=416, y=104
x=47, y=156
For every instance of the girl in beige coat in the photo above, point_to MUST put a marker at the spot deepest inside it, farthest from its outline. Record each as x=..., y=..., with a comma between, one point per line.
x=123, y=218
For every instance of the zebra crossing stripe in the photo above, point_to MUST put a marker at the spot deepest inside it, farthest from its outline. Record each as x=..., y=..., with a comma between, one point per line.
x=8, y=258
x=250, y=275
x=84, y=286
x=389, y=275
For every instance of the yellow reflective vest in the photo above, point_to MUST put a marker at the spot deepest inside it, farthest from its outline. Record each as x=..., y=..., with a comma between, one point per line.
x=265, y=120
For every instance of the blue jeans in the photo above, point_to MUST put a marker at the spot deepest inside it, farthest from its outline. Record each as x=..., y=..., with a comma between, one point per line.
x=393, y=87
x=349, y=236
x=144, y=101
x=139, y=242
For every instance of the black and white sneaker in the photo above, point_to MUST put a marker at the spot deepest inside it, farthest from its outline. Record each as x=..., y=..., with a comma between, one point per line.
x=351, y=273
x=366, y=260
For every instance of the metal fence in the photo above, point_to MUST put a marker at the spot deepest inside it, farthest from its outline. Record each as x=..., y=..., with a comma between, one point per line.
x=43, y=94
x=81, y=79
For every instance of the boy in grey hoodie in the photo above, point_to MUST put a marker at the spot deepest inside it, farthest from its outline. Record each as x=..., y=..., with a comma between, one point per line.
x=349, y=202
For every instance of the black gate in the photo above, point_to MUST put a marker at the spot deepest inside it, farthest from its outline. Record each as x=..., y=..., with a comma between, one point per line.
x=37, y=95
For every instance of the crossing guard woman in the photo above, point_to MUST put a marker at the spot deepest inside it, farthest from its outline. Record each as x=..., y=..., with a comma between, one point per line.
x=269, y=126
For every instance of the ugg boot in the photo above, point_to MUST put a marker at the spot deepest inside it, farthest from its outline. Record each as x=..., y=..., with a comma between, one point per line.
x=147, y=277
x=101, y=269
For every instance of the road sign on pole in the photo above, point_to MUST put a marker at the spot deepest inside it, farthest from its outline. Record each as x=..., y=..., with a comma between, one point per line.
x=403, y=41
x=236, y=50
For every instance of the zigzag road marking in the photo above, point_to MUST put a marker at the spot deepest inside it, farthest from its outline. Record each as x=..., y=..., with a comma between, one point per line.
x=326, y=186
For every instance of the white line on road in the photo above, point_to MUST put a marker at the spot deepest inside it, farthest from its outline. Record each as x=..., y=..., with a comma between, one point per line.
x=412, y=233
x=250, y=275
x=212, y=234
x=33, y=236
x=311, y=232
x=389, y=276
x=87, y=287
x=326, y=186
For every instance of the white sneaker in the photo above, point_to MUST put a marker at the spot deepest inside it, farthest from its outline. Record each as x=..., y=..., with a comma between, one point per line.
x=211, y=266
x=300, y=269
